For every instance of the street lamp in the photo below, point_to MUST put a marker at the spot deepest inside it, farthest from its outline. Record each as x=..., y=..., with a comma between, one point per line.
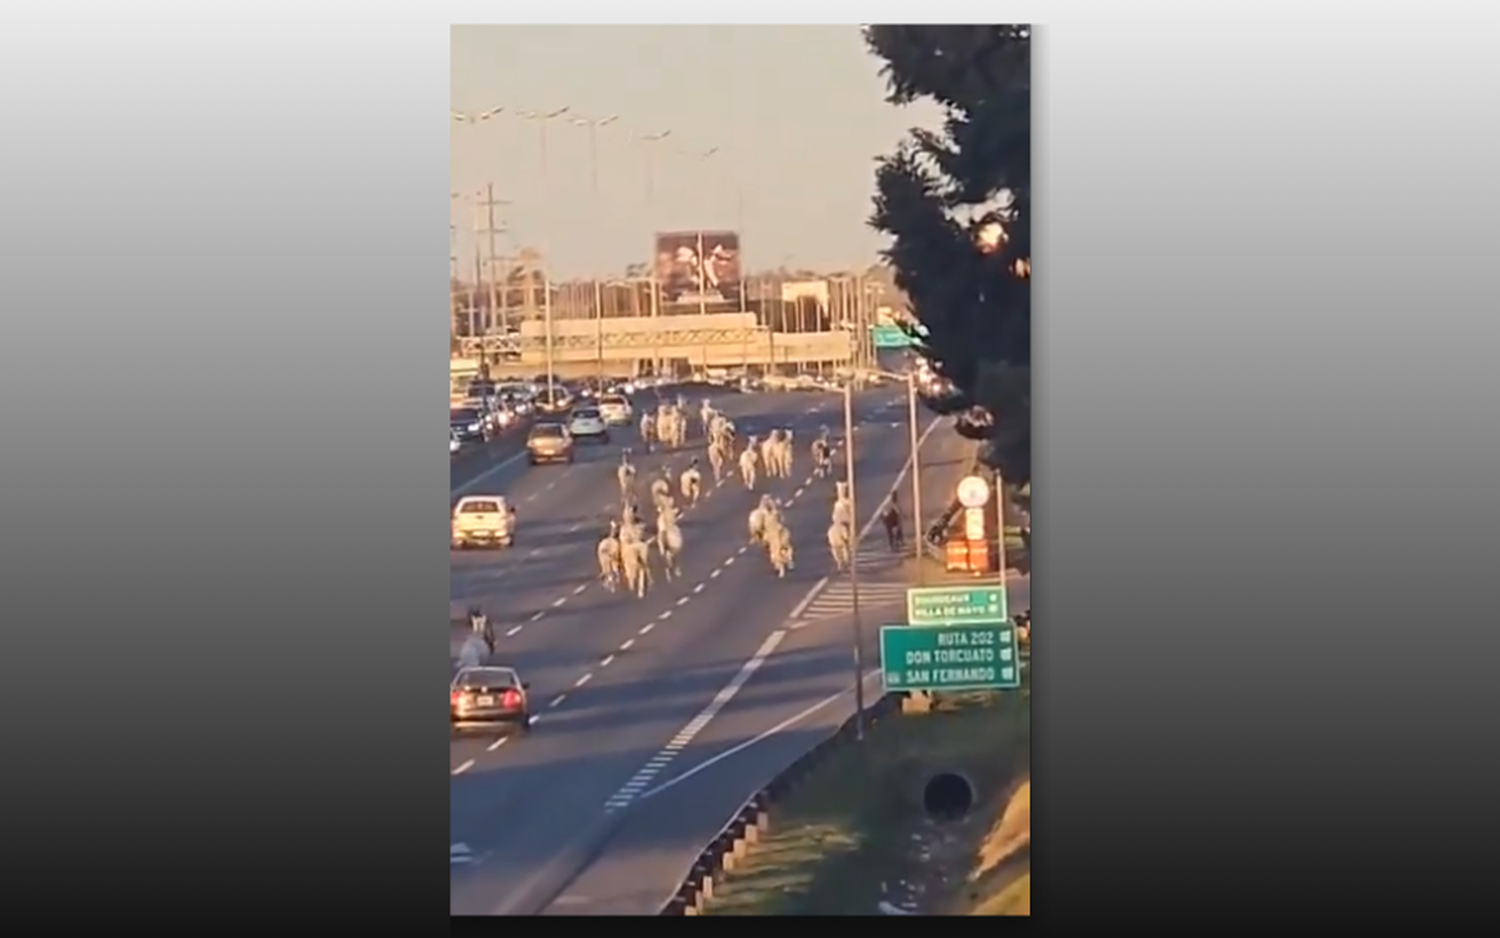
x=916, y=498
x=648, y=143
x=542, y=119
x=460, y=117
x=592, y=125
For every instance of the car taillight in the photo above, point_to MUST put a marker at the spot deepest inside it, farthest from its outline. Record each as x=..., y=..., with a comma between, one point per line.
x=456, y=697
x=511, y=699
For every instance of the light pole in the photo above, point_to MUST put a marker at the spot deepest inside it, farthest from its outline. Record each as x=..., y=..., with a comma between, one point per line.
x=592, y=125
x=858, y=636
x=916, y=498
x=542, y=119
x=648, y=144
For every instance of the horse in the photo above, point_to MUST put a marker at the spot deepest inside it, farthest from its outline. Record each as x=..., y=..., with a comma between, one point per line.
x=747, y=468
x=669, y=542
x=635, y=562
x=608, y=553
x=838, y=545
x=691, y=484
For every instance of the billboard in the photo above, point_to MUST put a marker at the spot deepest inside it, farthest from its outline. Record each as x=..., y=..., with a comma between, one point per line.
x=698, y=266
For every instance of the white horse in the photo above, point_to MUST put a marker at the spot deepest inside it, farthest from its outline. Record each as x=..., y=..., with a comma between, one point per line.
x=669, y=542
x=473, y=652
x=717, y=454
x=785, y=454
x=647, y=430
x=608, y=553
x=661, y=490
x=747, y=466
x=838, y=545
x=768, y=452
x=779, y=548
x=635, y=562
x=843, y=513
x=756, y=524
x=691, y=484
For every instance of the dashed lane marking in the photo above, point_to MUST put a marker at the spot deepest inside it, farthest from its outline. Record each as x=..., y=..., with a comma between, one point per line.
x=606, y=660
x=638, y=782
x=645, y=629
x=665, y=615
x=584, y=680
x=698, y=588
x=535, y=616
x=559, y=601
x=466, y=766
x=557, y=701
x=682, y=601
x=580, y=589
x=496, y=744
x=625, y=645
x=715, y=575
x=514, y=630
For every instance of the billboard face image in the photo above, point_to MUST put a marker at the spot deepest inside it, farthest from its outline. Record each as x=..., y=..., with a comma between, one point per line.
x=698, y=266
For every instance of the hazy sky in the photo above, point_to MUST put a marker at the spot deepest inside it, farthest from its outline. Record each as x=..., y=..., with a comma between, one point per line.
x=797, y=112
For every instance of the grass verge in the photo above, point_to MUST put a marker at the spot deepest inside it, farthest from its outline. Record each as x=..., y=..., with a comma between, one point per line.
x=854, y=835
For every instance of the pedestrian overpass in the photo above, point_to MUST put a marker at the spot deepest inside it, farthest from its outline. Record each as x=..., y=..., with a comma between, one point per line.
x=630, y=345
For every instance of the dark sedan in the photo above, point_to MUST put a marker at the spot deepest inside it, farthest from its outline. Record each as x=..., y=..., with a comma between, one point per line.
x=488, y=697
x=469, y=424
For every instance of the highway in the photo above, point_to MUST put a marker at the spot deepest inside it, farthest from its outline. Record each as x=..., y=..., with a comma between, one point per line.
x=634, y=692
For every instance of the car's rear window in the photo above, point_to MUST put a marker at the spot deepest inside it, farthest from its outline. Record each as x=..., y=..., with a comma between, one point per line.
x=466, y=413
x=488, y=677
x=613, y=400
x=586, y=414
x=546, y=431
x=479, y=508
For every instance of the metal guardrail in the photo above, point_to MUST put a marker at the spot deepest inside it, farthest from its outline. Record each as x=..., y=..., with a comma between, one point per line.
x=752, y=819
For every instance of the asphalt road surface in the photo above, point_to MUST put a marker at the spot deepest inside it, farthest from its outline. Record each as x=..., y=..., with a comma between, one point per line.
x=629, y=692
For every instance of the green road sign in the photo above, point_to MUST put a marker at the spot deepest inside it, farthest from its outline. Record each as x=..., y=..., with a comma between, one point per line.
x=949, y=657
x=956, y=605
x=891, y=337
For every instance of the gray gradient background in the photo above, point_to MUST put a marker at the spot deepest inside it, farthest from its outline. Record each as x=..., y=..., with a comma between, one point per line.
x=1265, y=387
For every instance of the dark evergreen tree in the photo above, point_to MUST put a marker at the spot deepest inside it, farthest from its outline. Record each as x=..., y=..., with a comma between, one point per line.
x=957, y=205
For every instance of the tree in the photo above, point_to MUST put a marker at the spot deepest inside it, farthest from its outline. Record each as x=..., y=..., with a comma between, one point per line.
x=957, y=206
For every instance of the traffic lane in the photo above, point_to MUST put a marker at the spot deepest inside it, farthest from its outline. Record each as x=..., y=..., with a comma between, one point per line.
x=577, y=499
x=798, y=697
x=709, y=633
x=553, y=621
x=589, y=759
x=674, y=658
x=517, y=817
x=526, y=595
x=475, y=459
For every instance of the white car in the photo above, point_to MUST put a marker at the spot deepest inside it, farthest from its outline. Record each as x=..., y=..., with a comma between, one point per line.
x=587, y=423
x=483, y=521
x=616, y=410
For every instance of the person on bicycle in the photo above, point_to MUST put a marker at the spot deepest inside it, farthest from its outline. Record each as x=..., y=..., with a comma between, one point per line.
x=891, y=518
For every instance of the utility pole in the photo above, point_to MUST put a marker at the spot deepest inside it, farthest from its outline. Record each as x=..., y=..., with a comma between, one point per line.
x=490, y=230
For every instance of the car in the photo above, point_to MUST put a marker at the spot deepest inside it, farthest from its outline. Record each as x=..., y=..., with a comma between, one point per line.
x=488, y=697
x=549, y=441
x=554, y=400
x=470, y=424
x=483, y=521
x=454, y=443
x=616, y=410
x=587, y=423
